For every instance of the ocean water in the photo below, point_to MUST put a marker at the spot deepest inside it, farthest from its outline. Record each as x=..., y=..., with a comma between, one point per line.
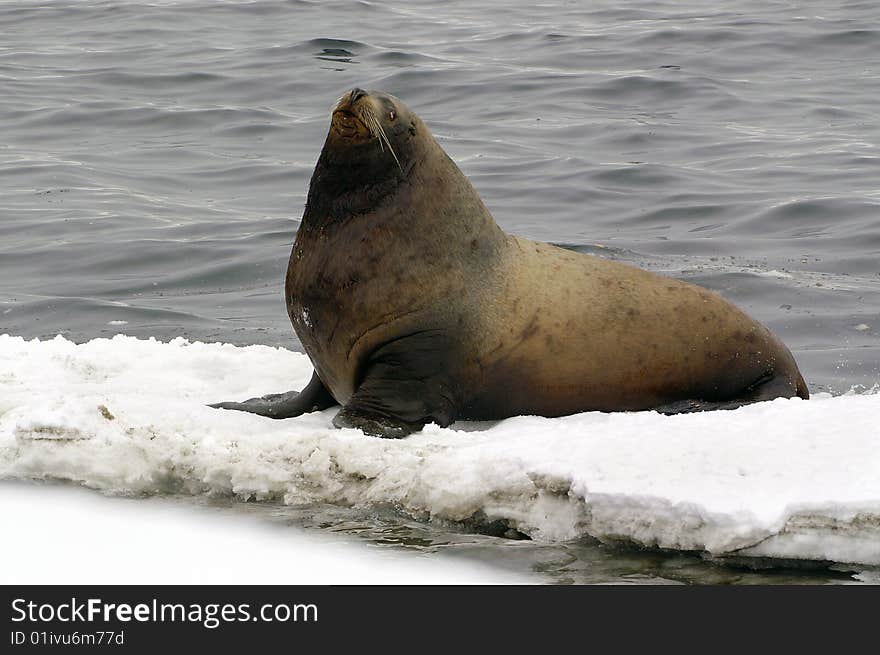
x=155, y=158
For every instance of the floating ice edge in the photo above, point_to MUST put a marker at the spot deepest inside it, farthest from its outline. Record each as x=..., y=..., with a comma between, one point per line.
x=788, y=479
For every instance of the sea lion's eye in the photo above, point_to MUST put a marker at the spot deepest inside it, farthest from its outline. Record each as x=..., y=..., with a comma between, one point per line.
x=392, y=115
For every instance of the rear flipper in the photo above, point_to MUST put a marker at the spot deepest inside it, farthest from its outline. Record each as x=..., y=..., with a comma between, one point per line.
x=691, y=406
x=766, y=388
x=313, y=398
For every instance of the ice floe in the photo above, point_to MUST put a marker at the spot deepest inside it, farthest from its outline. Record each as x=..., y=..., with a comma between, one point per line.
x=788, y=479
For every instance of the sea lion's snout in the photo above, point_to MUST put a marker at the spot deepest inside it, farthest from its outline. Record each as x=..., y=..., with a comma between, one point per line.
x=347, y=124
x=361, y=118
x=348, y=115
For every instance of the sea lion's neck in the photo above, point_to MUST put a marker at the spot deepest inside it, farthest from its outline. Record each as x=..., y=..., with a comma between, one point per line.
x=406, y=250
x=426, y=191
x=343, y=187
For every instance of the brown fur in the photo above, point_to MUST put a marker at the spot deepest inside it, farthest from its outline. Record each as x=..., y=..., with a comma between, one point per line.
x=414, y=306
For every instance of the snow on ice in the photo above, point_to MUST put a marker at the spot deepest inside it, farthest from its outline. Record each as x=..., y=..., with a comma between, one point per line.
x=788, y=479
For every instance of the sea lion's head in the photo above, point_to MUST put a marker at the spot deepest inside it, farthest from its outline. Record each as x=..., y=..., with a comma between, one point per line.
x=376, y=149
x=373, y=131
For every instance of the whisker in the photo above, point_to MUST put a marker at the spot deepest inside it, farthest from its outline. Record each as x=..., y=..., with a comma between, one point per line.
x=388, y=143
x=374, y=127
x=368, y=116
x=336, y=104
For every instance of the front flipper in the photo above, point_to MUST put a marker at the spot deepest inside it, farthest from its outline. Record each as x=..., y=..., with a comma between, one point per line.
x=406, y=384
x=313, y=398
x=375, y=426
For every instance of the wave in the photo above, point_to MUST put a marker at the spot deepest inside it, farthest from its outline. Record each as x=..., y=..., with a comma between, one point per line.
x=127, y=416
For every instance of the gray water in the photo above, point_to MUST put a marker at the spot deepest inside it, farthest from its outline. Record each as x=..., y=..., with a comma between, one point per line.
x=155, y=158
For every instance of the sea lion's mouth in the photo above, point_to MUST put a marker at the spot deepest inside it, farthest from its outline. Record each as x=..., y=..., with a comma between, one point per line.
x=352, y=116
x=355, y=118
x=348, y=124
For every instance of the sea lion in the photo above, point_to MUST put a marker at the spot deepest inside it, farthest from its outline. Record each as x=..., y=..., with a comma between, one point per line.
x=415, y=307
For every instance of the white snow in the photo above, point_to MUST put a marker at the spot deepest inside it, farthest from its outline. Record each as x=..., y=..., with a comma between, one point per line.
x=787, y=479
x=65, y=537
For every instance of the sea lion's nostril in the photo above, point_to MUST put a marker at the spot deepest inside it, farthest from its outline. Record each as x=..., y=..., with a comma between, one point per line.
x=357, y=94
